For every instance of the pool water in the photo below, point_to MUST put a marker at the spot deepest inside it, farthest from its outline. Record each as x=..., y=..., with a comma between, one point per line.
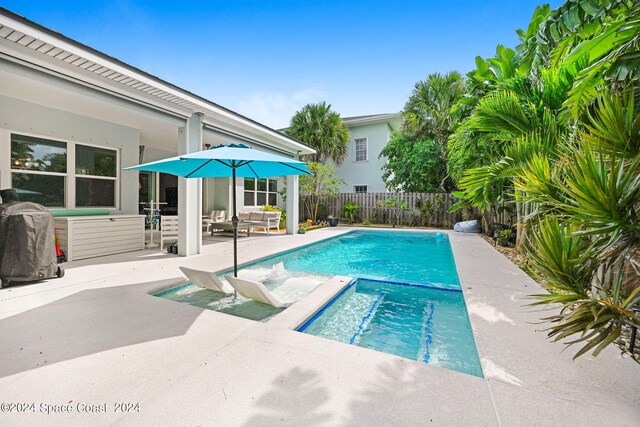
x=272, y=277
x=406, y=299
x=217, y=301
x=416, y=322
x=407, y=257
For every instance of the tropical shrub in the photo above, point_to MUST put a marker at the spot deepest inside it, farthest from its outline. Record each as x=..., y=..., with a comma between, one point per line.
x=585, y=243
x=504, y=237
x=412, y=165
x=554, y=125
x=322, y=183
x=283, y=214
x=396, y=206
x=350, y=212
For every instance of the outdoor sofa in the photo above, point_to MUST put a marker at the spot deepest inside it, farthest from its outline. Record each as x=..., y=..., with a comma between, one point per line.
x=266, y=220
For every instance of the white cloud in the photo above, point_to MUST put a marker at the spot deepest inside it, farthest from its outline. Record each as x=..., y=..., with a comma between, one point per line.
x=275, y=109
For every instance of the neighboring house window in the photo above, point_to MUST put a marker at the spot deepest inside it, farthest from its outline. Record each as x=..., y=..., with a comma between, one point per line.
x=259, y=192
x=360, y=188
x=361, y=149
x=41, y=172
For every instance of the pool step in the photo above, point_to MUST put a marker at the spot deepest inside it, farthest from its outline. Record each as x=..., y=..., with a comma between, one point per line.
x=342, y=326
x=367, y=318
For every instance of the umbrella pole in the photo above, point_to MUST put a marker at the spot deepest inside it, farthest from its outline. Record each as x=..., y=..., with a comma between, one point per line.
x=234, y=222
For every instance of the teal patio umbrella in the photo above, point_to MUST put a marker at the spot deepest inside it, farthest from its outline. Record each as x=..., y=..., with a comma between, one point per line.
x=227, y=160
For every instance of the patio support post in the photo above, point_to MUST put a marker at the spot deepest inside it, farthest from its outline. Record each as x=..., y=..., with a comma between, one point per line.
x=5, y=162
x=190, y=192
x=293, y=202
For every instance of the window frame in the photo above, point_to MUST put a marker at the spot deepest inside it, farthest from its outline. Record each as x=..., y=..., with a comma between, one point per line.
x=366, y=149
x=255, y=192
x=70, y=176
x=116, y=198
x=12, y=171
x=366, y=189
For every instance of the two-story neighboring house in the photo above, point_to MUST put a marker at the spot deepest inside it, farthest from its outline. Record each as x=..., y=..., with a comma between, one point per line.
x=362, y=168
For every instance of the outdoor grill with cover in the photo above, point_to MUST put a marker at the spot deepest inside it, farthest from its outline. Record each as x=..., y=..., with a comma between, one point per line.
x=27, y=246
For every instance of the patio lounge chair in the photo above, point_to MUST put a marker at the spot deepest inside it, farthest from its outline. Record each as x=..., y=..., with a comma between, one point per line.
x=214, y=217
x=254, y=290
x=205, y=279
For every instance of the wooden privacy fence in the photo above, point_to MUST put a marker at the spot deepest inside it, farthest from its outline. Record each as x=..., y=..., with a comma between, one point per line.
x=422, y=209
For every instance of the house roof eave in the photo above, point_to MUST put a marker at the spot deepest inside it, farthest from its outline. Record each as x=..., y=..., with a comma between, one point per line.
x=22, y=31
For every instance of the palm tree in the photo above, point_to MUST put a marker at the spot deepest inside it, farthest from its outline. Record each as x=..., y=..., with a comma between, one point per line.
x=427, y=113
x=511, y=124
x=320, y=128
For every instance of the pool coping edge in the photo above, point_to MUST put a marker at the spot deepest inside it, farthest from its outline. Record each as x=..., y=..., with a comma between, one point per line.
x=299, y=312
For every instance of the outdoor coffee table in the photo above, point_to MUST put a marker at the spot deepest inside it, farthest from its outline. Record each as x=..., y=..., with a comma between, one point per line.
x=243, y=227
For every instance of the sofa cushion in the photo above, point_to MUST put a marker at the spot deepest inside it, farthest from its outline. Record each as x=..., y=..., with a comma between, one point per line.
x=244, y=216
x=271, y=215
x=256, y=216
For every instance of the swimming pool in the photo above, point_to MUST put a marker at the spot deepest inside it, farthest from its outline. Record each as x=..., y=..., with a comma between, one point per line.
x=408, y=257
x=417, y=322
x=273, y=277
x=406, y=299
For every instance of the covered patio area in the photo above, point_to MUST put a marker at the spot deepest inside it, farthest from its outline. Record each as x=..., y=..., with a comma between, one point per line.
x=74, y=117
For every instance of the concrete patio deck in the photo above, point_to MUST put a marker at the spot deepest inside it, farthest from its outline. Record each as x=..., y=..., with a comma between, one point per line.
x=96, y=338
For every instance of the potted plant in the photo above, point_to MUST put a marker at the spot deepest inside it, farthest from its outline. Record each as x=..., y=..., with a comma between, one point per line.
x=302, y=228
x=333, y=221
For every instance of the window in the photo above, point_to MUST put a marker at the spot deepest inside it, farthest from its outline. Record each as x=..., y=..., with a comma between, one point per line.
x=249, y=192
x=95, y=176
x=39, y=170
x=361, y=149
x=359, y=188
x=259, y=192
x=44, y=189
x=42, y=173
x=91, y=192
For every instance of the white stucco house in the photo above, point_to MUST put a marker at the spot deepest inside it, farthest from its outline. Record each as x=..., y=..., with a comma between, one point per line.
x=362, y=168
x=71, y=118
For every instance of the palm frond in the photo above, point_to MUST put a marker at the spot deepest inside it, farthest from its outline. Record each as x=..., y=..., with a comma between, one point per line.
x=559, y=258
x=614, y=126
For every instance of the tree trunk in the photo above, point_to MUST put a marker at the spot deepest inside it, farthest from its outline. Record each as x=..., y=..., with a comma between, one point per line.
x=315, y=209
x=521, y=227
x=488, y=220
x=521, y=236
x=309, y=203
x=444, y=180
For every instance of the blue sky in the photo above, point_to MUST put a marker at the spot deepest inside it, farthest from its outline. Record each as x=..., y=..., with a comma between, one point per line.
x=266, y=59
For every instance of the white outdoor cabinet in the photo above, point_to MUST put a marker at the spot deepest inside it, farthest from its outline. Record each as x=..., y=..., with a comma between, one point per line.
x=82, y=237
